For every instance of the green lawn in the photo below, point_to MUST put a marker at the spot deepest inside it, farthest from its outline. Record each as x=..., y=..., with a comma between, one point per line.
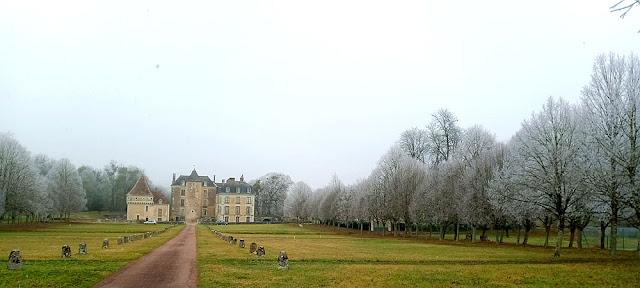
x=40, y=245
x=321, y=257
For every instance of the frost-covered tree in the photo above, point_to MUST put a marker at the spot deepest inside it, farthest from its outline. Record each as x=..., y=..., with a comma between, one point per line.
x=18, y=178
x=611, y=127
x=547, y=154
x=443, y=135
x=65, y=188
x=298, y=201
x=272, y=193
x=414, y=142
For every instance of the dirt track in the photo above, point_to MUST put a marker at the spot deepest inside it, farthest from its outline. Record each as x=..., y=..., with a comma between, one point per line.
x=170, y=265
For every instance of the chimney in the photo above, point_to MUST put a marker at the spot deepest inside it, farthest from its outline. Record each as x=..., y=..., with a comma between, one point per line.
x=174, y=177
x=222, y=181
x=231, y=180
x=242, y=178
x=214, y=178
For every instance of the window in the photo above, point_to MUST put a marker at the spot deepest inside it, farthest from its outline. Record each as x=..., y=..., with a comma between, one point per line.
x=137, y=217
x=181, y=211
x=237, y=219
x=226, y=199
x=182, y=202
x=159, y=219
x=248, y=191
x=226, y=218
x=159, y=201
x=182, y=192
x=159, y=213
x=248, y=200
x=237, y=189
x=204, y=212
x=206, y=193
x=206, y=202
x=146, y=208
x=248, y=219
x=238, y=200
x=205, y=183
x=227, y=189
x=226, y=210
x=248, y=210
x=237, y=210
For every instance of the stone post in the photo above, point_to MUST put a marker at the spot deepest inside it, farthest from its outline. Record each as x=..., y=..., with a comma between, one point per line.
x=66, y=251
x=253, y=248
x=241, y=245
x=283, y=260
x=260, y=252
x=82, y=248
x=15, y=260
x=105, y=243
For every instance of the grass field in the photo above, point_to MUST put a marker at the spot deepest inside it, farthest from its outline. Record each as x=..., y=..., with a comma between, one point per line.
x=40, y=245
x=321, y=257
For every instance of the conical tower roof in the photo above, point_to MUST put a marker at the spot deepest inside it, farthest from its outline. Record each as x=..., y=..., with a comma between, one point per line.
x=141, y=188
x=194, y=176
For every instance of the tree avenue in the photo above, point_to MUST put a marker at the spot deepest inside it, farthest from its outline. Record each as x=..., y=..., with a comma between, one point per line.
x=569, y=165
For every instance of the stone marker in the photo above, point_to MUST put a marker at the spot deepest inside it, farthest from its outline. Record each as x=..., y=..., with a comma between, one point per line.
x=241, y=245
x=120, y=240
x=230, y=239
x=260, y=252
x=105, y=243
x=66, y=251
x=235, y=241
x=126, y=239
x=283, y=260
x=253, y=247
x=82, y=248
x=15, y=260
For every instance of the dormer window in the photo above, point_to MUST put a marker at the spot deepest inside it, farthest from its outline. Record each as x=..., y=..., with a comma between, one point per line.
x=159, y=201
x=205, y=183
x=248, y=189
x=227, y=189
x=237, y=189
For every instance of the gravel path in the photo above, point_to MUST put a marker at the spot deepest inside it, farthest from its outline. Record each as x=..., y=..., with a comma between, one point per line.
x=170, y=265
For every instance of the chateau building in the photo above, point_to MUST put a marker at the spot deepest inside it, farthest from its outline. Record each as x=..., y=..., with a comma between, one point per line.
x=144, y=204
x=198, y=198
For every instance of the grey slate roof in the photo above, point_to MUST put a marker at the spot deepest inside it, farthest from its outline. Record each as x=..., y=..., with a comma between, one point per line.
x=244, y=187
x=194, y=177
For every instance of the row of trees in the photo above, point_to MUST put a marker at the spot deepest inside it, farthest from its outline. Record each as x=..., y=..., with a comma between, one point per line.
x=568, y=165
x=39, y=187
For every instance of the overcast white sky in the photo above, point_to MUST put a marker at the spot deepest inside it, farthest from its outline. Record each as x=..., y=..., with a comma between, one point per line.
x=307, y=88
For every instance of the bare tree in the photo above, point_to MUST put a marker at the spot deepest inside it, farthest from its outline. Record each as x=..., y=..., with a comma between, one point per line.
x=443, y=135
x=273, y=191
x=18, y=178
x=65, y=188
x=547, y=152
x=298, y=201
x=414, y=142
x=624, y=6
x=603, y=128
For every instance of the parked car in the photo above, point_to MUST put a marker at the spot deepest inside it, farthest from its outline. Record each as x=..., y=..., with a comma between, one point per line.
x=150, y=222
x=221, y=223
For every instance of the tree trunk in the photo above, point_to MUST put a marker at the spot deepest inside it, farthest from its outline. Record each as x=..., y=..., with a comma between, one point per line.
x=457, y=231
x=603, y=229
x=547, y=230
x=473, y=234
x=579, y=240
x=613, y=243
x=527, y=228
x=556, y=253
x=417, y=230
x=572, y=231
x=502, y=234
x=519, y=229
